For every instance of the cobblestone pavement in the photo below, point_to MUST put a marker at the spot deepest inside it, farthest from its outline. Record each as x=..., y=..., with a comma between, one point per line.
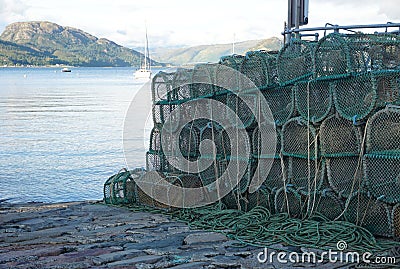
x=94, y=235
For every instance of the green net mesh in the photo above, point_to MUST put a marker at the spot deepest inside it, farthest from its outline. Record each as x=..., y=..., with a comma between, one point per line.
x=233, y=61
x=388, y=87
x=396, y=220
x=313, y=100
x=257, y=144
x=181, y=84
x=384, y=51
x=382, y=158
x=382, y=174
x=261, y=197
x=370, y=213
x=236, y=103
x=275, y=178
x=383, y=132
x=337, y=55
x=260, y=68
x=121, y=188
x=299, y=139
x=289, y=201
x=334, y=106
x=161, y=113
x=295, y=61
x=354, y=97
x=235, y=200
x=205, y=73
x=281, y=102
x=326, y=203
x=344, y=154
x=305, y=175
x=344, y=175
x=335, y=129
x=161, y=87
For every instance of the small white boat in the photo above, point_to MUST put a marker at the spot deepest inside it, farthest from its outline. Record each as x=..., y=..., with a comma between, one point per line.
x=65, y=69
x=144, y=72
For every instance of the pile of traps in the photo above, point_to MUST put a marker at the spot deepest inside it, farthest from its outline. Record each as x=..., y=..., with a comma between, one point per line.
x=336, y=112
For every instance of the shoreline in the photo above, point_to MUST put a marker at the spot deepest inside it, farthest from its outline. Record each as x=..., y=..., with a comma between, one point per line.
x=91, y=234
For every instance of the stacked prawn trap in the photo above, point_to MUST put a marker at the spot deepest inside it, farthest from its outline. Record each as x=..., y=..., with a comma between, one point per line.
x=336, y=112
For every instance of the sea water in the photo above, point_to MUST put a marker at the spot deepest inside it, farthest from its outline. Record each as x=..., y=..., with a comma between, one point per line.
x=61, y=134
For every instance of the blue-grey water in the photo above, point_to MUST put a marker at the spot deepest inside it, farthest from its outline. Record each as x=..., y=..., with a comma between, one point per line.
x=61, y=133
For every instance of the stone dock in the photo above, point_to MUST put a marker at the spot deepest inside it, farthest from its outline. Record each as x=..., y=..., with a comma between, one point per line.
x=94, y=235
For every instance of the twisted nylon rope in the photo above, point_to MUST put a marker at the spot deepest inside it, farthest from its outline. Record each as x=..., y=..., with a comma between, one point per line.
x=261, y=229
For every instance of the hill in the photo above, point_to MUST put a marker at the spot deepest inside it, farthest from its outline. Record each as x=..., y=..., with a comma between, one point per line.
x=41, y=43
x=212, y=53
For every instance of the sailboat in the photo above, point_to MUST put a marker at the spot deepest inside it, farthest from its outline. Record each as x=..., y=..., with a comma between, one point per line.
x=144, y=72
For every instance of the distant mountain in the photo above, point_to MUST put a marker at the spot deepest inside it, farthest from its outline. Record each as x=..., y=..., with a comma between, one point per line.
x=42, y=42
x=212, y=53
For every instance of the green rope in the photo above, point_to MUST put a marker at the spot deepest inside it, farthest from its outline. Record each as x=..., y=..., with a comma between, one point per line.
x=260, y=228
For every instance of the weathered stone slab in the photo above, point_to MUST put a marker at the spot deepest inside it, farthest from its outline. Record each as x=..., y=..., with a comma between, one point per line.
x=206, y=237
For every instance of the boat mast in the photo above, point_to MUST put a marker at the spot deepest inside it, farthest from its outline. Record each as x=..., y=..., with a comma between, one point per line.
x=145, y=50
x=147, y=53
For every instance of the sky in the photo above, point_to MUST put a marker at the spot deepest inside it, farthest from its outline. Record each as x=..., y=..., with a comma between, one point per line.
x=175, y=23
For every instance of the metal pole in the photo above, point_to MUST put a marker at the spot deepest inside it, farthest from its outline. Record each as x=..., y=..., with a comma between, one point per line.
x=297, y=17
x=289, y=21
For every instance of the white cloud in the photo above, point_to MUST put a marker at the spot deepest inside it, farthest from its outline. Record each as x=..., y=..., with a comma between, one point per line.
x=177, y=22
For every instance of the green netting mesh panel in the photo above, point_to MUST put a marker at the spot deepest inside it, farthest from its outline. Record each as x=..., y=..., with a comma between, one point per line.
x=224, y=76
x=155, y=139
x=161, y=86
x=332, y=56
x=260, y=68
x=288, y=201
x=276, y=176
x=214, y=171
x=388, y=88
x=233, y=61
x=340, y=54
x=235, y=200
x=281, y=102
x=245, y=180
x=161, y=114
x=157, y=189
x=369, y=213
x=295, y=138
x=157, y=161
x=306, y=176
x=385, y=51
x=340, y=137
x=204, y=73
x=313, y=99
x=189, y=140
x=181, y=84
x=345, y=175
x=261, y=197
x=256, y=143
x=121, y=188
x=327, y=204
x=187, y=181
x=382, y=176
x=214, y=132
x=354, y=97
x=382, y=161
x=236, y=103
x=396, y=220
x=383, y=132
x=295, y=61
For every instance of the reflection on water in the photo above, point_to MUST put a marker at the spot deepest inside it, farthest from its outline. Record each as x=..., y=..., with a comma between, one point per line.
x=61, y=133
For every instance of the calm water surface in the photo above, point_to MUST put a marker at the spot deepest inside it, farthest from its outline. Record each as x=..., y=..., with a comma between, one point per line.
x=61, y=133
